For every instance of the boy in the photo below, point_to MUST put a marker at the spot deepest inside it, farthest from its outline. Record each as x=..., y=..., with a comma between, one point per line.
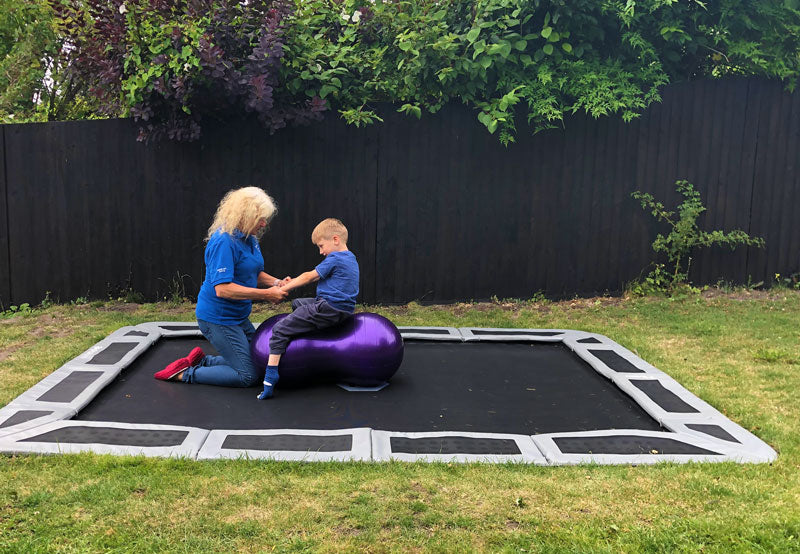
x=335, y=301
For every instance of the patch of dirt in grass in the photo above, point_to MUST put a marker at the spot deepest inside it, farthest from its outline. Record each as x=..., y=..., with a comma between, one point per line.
x=608, y=301
x=46, y=325
x=119, y=307
x=418, y=487
x=247, y=505
x=346, y=531
x=515, y=307
x=402, y=309
x=5, y=353
x=741, y=294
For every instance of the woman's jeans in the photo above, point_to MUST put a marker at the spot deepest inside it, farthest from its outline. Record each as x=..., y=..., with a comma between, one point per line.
x=233, y=367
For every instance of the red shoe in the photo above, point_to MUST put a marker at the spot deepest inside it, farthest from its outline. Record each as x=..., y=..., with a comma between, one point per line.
x=195, y=356
x=181, y=364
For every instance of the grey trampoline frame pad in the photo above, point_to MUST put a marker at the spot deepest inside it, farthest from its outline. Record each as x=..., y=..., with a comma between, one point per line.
x=39, y=420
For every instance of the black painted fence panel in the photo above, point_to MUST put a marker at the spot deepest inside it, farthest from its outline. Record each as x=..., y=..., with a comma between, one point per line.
x=437, y=209
x=5, y=262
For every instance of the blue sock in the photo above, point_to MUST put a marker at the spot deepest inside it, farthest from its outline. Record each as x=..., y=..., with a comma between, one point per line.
x=270, y=380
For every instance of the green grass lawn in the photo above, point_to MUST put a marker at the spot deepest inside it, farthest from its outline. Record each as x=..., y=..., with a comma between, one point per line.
x=739, y=351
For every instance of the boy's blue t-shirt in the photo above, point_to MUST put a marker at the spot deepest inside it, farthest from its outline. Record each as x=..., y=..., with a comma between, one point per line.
x=229, y=258
x=338, y=280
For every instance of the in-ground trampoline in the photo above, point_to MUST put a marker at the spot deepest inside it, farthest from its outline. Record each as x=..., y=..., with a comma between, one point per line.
x=541, y=396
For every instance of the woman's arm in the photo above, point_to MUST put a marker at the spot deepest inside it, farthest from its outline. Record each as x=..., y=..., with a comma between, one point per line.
x=302, y=279
x=232, y=291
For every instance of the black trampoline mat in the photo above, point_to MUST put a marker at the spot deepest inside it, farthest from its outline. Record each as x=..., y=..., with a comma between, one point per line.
x=486, y=387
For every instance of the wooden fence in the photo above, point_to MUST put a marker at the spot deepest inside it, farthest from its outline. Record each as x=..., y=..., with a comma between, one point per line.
x=438, y=210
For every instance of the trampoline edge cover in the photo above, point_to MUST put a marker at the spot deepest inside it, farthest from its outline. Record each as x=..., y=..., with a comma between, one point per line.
x=514, y=390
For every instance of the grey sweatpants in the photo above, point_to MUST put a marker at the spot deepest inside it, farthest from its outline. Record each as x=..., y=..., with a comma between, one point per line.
x=310, y=314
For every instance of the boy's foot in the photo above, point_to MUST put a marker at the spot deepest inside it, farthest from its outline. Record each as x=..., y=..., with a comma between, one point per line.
x=174, y=371
x=271, y=379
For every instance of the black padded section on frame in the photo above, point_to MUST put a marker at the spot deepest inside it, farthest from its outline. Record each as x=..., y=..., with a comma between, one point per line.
x=713, y=430
x=477, y=387
x=666, y=399
x=627, y=444
x=590, y=340
x=24, y=415
x=71, y=386
x=453, y=445
x=112, y=436
x=427, y=331
x=615, y=361
x=113, y=353
x=135, y=334
x=301, y=443
x=483, y=332
x=180, y=327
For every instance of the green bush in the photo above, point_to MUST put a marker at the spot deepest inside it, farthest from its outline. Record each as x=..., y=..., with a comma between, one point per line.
x=172, y=63
x=684, y=236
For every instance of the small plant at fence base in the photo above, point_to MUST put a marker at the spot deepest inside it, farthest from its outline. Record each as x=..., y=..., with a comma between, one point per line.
x=15, y=310
x=684, y=236
x=788, y=281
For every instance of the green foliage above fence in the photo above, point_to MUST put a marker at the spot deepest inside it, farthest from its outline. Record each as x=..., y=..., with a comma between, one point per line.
x=172, y=63
x=34, y=85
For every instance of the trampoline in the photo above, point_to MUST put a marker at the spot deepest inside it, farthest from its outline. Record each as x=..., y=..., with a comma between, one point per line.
x=541, y=396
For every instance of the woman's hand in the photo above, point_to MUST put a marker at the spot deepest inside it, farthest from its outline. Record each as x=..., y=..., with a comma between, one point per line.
x=232, y=291
x=275, y=294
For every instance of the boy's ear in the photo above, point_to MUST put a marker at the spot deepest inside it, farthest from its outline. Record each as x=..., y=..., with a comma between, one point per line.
x=335, y=239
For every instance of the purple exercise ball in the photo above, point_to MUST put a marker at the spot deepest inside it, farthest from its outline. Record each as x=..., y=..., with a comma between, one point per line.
x=365, y=351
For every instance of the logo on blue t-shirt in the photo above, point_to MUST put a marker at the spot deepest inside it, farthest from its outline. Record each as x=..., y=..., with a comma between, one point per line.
x=229, y=258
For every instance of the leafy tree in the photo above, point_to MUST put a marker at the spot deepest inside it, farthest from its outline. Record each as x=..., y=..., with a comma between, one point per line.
x=172, y=63
x=549, y=57
x=33, y=83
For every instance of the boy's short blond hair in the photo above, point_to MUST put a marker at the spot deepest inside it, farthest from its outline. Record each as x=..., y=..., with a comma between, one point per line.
x=326, y=228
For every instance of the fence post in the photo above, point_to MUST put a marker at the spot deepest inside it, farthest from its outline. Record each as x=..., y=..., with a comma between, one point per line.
x=5, y=254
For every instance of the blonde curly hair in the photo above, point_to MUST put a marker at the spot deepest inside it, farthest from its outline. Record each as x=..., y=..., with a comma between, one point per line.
x=242, y=209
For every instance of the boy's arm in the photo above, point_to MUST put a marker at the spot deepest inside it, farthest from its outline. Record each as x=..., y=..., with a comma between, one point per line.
x=301, y=280
x=265, y=280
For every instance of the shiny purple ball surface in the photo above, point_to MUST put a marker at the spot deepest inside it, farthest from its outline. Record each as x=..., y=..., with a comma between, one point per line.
x=364, y=351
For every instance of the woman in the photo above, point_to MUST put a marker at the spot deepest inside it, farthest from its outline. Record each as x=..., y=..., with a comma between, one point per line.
x=234, y=278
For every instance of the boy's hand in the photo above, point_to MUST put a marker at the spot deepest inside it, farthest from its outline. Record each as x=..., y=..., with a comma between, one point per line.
x=301, y=280
x=286, y=280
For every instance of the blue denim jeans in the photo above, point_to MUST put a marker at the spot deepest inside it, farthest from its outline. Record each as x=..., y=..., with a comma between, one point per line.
x=233, y=367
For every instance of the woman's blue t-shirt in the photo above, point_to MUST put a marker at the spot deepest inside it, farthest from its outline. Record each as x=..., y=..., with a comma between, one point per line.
x=229, y=258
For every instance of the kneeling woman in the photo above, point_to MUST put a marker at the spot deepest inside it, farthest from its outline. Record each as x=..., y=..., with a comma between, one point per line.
x=234, y=278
